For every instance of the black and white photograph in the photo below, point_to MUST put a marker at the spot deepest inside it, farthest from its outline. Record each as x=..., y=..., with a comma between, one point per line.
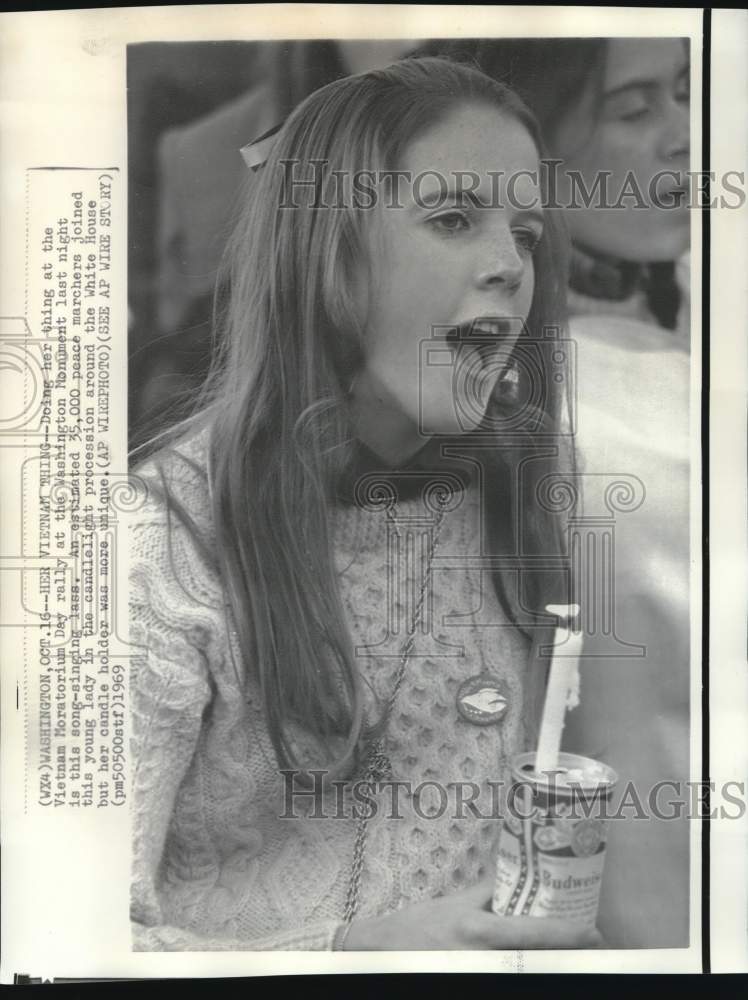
x=372, y=448
x=412, y=379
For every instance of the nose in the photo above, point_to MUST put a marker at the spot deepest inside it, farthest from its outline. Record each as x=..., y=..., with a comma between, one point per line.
x=501, y=263
x=675, y=142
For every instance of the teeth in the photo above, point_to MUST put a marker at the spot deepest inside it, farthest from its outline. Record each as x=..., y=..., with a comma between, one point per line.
x=474, y=329
x=489, y=331
x=481, y=340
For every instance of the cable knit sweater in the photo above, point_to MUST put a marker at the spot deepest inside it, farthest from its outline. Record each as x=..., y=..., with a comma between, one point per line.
x=215, y=864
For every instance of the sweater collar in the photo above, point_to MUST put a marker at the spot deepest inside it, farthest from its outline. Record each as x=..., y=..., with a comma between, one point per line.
x=431, y=464
x=604, y=278
x=601, y=279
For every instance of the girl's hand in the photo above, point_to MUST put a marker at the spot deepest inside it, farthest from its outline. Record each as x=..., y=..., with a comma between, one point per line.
x=464, y=920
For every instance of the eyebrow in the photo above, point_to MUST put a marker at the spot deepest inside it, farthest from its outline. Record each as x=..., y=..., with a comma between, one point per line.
x=632, y=85
x=645, y=83
x=536, y=214
x=532, y=213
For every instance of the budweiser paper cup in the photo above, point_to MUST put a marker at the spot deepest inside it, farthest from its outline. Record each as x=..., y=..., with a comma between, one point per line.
x=552, y=841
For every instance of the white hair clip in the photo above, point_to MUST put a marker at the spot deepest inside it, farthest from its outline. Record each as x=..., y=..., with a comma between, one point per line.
x=256, y=152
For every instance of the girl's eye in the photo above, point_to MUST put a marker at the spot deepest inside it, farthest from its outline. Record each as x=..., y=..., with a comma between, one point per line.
x=630, y=106
x=527, y=240
x=450, y=222
x=637, y=114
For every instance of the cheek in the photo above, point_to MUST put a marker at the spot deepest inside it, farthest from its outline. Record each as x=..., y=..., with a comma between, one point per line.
x=623, y=151
x=360, y=283
x=528, y=289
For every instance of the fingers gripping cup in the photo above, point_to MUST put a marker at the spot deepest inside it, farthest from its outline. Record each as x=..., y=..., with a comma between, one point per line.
x=552, y=842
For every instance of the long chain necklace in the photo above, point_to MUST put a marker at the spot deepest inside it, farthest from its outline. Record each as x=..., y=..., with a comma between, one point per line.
x=376, y=763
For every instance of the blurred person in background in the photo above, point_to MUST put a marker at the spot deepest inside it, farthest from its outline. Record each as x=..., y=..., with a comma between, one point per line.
x=200, y=174
x=618, y=107
x=621, y=106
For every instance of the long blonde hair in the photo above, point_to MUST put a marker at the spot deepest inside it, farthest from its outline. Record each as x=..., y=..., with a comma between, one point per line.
x=292, y=340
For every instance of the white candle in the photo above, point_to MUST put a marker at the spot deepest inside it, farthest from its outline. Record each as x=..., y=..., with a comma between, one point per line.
x=563, y=689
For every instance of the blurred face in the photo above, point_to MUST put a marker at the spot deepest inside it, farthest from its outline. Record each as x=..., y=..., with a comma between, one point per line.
x=642, y=126
x=451, y=282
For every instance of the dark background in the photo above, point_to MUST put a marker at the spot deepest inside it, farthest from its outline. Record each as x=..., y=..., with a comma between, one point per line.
x=169, y=84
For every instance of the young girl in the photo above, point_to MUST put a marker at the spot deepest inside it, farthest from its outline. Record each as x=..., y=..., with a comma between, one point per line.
x=340, y=559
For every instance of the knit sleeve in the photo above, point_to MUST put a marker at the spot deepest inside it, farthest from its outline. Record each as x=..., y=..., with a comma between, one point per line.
x=171, y=687
x=317, y=937
x=169, y=690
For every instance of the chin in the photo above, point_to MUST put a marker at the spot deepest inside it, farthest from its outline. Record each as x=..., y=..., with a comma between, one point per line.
x=441, y=424
x=660, y=255
x=640, y=241
x=665, y=243
x=441, y=427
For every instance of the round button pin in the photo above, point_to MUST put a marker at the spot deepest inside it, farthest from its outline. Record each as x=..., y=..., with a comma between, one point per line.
x=483, y=699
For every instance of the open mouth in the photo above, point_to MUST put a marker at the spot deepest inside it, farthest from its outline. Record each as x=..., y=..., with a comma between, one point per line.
x=485, y=337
